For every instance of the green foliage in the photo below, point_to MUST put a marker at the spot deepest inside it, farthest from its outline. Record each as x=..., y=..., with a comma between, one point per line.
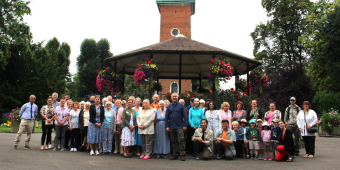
x=90, y=60
x=132, y=88
x=14, y=33
x=330, y=119
x=276, y=42
x=323, y=101
x=322, y=41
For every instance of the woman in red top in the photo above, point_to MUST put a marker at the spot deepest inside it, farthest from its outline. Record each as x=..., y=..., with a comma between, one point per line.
x=287, y=150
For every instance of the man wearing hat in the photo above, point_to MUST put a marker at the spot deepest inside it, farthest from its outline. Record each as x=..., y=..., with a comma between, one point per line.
x=290, y=118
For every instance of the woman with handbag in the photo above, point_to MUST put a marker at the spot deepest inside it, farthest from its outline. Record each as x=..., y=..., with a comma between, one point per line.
x=306, y=121
x=47, y=112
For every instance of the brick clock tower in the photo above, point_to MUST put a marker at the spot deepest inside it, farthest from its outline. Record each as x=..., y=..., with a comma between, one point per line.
x=175, y=20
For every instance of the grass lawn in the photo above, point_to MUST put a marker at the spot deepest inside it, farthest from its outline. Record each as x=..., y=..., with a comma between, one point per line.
x=8, y=130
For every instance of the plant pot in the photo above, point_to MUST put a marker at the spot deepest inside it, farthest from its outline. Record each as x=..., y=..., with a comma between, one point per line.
x=335, y=132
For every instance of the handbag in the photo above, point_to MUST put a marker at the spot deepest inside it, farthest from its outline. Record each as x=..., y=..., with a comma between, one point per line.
x=46, y=122
x=312, y=129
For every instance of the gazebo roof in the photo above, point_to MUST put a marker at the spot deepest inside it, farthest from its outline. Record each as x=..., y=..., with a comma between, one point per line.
x=196, y=59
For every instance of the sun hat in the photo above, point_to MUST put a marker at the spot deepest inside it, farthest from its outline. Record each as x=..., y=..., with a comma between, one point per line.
x=252, y=121
x=265, y=124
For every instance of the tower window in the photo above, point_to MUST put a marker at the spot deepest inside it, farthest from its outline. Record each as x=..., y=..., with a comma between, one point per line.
x=175, y=32
x=174, y=87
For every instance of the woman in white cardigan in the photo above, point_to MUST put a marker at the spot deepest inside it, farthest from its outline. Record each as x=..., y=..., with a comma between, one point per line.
x=305, y=120
x=146, y=128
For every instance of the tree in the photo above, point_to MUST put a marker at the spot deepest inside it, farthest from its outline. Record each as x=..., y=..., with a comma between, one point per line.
x=322, y=41
x=89, y=61
x=14, y=33
x=276, y=42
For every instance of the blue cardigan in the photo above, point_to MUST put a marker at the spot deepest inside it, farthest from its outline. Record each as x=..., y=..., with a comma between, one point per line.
x=195, y=117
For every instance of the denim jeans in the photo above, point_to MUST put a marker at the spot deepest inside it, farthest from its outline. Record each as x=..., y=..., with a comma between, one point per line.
x=108, y=138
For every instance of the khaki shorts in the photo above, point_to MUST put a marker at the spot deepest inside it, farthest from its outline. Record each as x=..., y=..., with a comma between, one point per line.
x=254, y=145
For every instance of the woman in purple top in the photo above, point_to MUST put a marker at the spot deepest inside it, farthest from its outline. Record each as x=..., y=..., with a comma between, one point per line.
x=61, y=117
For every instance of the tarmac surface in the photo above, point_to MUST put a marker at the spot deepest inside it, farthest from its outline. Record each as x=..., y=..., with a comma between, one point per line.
x=326, y=157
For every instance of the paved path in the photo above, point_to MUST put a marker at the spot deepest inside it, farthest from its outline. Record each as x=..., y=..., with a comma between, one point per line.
x=327, y=157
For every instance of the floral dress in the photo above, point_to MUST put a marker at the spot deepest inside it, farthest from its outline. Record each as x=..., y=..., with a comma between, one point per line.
x=128, y=136
x=239, y=115
x=95, y=134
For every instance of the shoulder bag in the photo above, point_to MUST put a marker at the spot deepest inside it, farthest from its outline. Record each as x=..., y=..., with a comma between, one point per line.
x=312, y=129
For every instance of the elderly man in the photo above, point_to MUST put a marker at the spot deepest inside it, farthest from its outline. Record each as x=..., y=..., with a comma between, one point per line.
x=291, y=119
x=28, y=113
x=203, y=138
x=225, y=139
x=55, y=103
x=67, y=96
x=254, y=112
x=155, y=103
x=92, y=99
x=175, y=123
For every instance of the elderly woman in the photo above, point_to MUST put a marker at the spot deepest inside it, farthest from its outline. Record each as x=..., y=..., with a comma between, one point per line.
x=74, y=126
x=166, y=102
x=214, y=120
x=195, y=117
x=104, y=102
x=272, y=114
x=287, y=149
x=202, y=105
x=239, y=113
x=61, y=117
x=119, y=121
x=109, y=126
x=306, y=119
x=155, y=103
x=162, y=138
x=138, y=108
x=47, y=113
x=82, y=105
x=124, y=104
x=95, y=130
x=146, y=128
x=226, y=113
x=84, y=118
x=128, y=128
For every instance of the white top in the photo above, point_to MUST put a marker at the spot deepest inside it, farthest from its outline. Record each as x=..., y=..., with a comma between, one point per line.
x=146, y=119
x=244, y=136
x=311, y=120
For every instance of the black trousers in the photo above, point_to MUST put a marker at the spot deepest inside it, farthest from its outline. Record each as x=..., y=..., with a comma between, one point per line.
x=201, y=147
x=238, y=147
x=297, y=134
x=46, y=130
x=75, y=133
x=67, y=137
x=189, y=144
x=309, y=144
x=221, y=149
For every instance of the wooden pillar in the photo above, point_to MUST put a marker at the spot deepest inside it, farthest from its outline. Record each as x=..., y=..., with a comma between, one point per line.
x=200, y=80
x=180, y=74
x=214, y=85
x=248, y=78
x=115, y=78
x=123, y=80
x=237, y=78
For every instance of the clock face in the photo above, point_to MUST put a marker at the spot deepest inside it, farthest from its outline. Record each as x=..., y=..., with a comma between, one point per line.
x=174, y=32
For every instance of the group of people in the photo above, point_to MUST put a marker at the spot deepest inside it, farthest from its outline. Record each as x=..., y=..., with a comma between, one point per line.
x=145, y=128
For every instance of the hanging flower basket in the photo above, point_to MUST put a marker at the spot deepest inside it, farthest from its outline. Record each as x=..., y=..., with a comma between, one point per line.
x=220, y=70
x=104, y=80
x=146, y=72
x=257, y=79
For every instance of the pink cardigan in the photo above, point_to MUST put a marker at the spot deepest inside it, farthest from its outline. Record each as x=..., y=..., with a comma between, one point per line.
x=119, y=115
x=224, y=117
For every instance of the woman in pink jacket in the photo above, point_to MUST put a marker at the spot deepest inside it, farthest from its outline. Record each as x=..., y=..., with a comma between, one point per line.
x=226, y=113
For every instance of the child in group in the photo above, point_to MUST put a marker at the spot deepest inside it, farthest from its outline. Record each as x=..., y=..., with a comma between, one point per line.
x=259, y=126
x=243, y=131
x=239, y=139
x=253, y=136
x=266, y=137
x=275, y=136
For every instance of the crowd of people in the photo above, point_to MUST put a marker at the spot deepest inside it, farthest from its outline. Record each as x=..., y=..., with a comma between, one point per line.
x=135, y=126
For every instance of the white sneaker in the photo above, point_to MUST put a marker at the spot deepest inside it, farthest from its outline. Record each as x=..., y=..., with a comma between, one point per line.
x=97, y=152
x=74, y=149
x=91, y=153
x=50, y=146
x=71, y=150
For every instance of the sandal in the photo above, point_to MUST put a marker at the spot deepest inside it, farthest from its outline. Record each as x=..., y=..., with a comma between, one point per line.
x=311, y=156
x=306, y=156
x=290, y=159
x=42, y=148
x=46, y=148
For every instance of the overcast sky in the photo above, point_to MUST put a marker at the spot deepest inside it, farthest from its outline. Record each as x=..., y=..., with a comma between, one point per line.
x=132, y=24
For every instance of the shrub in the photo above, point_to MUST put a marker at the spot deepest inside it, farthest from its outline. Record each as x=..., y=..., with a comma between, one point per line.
x=323, y=101
x=329, y=119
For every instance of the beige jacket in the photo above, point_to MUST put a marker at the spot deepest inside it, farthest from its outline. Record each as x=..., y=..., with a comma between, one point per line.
x=208, y=136
x=146, y=119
